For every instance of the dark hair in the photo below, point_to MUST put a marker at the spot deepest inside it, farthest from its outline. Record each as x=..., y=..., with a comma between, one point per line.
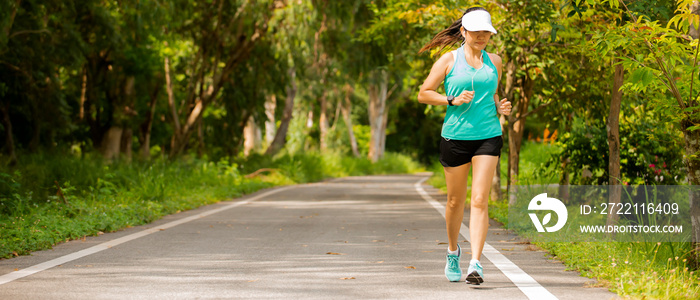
x=450, y=35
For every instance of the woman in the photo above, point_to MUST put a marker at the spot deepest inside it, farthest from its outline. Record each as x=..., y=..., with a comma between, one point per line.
x=471, y=132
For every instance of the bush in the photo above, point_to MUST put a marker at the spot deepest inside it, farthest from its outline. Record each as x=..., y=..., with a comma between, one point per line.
x=650, y=153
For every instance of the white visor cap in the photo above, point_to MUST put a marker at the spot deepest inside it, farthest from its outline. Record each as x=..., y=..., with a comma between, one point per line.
x=478, y=20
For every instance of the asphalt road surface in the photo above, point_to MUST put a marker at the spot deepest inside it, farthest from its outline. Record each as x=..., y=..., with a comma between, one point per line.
x=375, y=237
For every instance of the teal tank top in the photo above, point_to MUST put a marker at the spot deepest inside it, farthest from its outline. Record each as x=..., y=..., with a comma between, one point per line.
x=477, y=120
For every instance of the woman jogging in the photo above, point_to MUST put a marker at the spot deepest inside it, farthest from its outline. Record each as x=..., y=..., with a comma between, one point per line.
x=471, y=132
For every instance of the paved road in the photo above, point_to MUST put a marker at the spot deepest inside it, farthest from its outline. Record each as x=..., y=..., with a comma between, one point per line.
x=351, y=238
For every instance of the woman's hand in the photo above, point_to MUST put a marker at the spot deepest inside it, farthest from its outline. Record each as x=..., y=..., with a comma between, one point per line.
x=463, y=98
x=504, y=107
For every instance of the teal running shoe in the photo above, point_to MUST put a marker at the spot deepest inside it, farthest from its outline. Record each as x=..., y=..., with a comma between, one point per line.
x=475, y=273
x=452, y=270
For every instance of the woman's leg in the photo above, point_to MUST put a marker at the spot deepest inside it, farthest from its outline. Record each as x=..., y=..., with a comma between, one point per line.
x=456, y=180
x=482, y=175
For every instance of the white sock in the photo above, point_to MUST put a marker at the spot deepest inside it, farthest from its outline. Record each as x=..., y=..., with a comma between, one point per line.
x=474, y=261
x=456, y=252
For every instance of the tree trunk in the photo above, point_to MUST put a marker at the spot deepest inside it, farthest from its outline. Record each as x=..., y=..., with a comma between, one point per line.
x=613, y=130
x=564, y=180
x=127, y=141
x=128, y=112
x=496, y=183
x=281, y=135
x=516, y=130
x=509, y=92
x=692, y=148
x=147, y=125
x=496, y=192
x=378, y=92
x=270, y=124
x=693, y=30
x=346, y=110
x=200, y=137
x=83, y=93
x=323, y=122
x=9, y=136
x=111, y=143
x=251, y=136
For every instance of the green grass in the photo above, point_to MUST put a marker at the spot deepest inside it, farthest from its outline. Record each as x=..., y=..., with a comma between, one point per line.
x=98, y=197
x=633, y=270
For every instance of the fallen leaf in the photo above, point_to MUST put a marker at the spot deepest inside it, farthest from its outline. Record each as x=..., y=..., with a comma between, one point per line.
x=442, y=243
x=161, y=229
x=304, y=245
x=504, y=249
x=333, y=253
x=100, y=233
x=16, y=269
x=376, y=241
x=410, y=267
x=254, y=280
x=379, y=262
x=428, y=251
x=346, y=278
x=399, y=234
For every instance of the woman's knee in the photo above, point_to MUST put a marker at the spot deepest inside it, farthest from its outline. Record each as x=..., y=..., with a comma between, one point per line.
x=455, y=202
x=480, y=201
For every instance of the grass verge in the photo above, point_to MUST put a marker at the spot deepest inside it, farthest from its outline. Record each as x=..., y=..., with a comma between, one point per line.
x=51, y=199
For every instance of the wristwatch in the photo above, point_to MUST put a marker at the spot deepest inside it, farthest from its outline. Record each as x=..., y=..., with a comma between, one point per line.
x=449, y=100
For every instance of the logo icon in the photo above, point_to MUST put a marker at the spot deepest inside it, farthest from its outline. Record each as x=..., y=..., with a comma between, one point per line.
x=542, y=202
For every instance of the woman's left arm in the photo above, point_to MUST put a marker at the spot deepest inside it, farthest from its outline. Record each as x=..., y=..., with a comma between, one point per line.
x=503, y=106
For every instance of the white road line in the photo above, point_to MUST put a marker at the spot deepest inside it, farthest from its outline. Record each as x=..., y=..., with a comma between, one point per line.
x=528, y=285
x=7, y=278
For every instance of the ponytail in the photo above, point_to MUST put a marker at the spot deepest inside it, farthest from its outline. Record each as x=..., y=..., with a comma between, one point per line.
x=449, y=36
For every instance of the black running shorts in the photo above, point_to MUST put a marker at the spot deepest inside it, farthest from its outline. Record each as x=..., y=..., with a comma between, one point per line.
x=454, y=153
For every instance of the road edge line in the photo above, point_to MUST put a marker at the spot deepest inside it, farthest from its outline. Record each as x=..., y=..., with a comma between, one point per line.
x=10, y=277
x=528, y=285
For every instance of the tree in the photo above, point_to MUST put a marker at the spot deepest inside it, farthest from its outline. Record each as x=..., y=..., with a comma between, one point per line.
x=664, y=61
x=224, y=34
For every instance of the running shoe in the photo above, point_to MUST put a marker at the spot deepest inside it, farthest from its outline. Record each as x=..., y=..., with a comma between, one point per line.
x=475, y=273
x=452, y=270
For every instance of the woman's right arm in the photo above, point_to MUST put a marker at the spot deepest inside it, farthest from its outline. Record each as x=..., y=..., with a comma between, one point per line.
x=428, y=94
